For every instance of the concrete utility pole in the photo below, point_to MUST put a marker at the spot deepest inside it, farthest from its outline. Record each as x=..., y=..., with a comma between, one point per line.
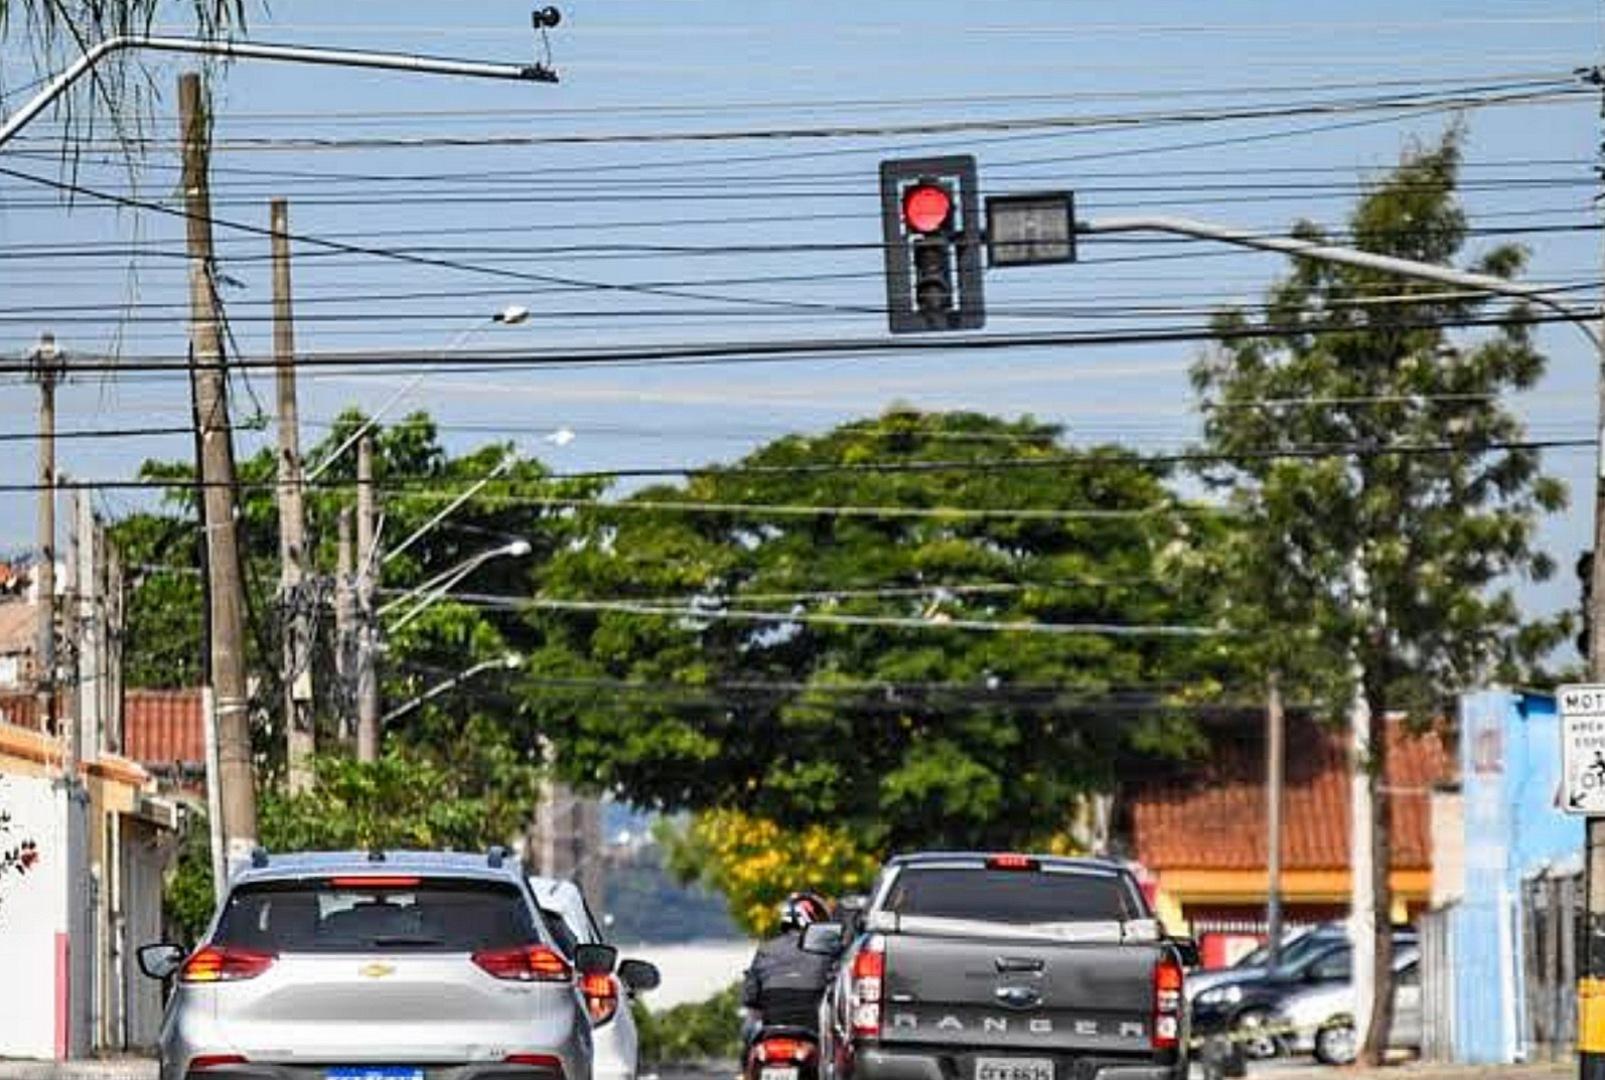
x=367, y=617
x=1275, y=760
x=112, y=683
x=295, y=611
x=345, y=619
x=46, y=361
x=88, y=721
x=236, y=779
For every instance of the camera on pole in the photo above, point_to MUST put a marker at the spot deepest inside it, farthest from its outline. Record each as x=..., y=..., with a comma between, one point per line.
x=931, y=225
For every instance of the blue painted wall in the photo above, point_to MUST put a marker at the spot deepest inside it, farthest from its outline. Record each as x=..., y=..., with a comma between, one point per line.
x=1510, y=779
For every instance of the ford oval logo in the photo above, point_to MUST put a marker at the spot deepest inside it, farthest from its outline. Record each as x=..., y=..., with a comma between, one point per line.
x=1019, y=997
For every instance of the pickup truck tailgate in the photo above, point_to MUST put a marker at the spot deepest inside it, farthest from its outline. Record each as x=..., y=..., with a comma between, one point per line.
x=1018, y=995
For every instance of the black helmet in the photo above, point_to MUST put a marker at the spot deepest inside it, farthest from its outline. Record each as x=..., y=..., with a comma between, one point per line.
x=801, y=910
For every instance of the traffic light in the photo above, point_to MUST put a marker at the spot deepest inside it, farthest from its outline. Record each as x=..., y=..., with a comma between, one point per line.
x=931, y=225
x=1585, y=578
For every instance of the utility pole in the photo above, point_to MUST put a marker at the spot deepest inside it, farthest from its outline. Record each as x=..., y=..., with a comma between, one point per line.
x=226, y=616
x=115, y=609
x=1275, y=760
x=88, y=721
x=367, y=624
x=1591, y=964
x=46, y=361
x=295, y=614
x=345, y=612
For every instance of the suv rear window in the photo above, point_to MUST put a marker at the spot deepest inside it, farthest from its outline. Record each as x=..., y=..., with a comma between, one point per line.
x=1012, y=896
x=333, y=916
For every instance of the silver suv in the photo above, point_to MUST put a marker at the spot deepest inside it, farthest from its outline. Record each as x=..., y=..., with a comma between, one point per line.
x=376, y=966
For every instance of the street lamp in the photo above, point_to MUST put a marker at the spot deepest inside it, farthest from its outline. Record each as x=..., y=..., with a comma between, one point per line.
x=510, y=662
x=511, y=315
x=438, y=586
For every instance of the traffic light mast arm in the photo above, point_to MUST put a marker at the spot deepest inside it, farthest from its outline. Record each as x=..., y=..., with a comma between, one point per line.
x=244, y=50
x=1306, y=249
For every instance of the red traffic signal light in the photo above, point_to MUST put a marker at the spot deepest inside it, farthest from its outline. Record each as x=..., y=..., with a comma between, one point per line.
x=927, y=208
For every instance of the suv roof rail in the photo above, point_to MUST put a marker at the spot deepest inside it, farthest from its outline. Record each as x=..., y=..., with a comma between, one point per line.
x=259, y=857
x=496, y=855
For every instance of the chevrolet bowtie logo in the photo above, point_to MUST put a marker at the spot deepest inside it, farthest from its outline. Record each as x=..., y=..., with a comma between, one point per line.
x=376, y=971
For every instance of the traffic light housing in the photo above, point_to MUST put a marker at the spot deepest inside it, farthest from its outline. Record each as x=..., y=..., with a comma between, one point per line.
x=931, y=227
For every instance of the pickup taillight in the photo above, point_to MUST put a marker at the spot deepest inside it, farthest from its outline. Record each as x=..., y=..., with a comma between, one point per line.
x=867, y=980
x=1167, y=1003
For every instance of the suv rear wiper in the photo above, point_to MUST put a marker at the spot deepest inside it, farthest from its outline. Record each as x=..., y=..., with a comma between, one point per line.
x=402, y=940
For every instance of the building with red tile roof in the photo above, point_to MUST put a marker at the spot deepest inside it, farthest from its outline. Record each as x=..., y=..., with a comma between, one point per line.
x=1201, y=831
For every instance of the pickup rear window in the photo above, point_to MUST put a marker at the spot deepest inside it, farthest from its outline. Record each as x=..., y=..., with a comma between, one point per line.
x=1012, y=896
x=339, y=917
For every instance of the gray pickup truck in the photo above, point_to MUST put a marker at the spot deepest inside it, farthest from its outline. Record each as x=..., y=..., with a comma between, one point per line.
x=1002, y=967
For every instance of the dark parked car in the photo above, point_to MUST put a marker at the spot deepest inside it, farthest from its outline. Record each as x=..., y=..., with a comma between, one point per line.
x=1243, y=1006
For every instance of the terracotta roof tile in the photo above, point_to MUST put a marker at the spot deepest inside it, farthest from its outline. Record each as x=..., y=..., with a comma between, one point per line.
x=163, y=727
x=1216, y=820
x=160, y=727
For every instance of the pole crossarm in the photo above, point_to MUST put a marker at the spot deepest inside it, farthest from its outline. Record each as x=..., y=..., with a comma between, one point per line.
x=244, y=50
x=1332, y=253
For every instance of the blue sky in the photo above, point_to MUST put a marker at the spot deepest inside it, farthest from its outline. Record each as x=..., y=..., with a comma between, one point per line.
x=718, y=65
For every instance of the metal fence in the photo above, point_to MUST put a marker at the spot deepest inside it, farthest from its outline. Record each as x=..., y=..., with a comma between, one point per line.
x=1437, y=986
x=1549, y=919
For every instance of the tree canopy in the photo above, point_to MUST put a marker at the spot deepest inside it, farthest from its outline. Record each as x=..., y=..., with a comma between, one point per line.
x=789, y=636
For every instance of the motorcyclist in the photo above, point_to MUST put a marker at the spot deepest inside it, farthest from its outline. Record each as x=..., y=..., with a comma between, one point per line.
x=784, y=984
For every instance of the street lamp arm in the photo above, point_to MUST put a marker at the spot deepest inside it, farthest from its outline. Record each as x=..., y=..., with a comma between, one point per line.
x=506, y=663
x=1332, y=253
x=245, y=50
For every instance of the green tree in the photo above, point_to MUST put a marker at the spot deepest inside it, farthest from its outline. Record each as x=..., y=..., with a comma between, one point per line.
x=909, y=735
x=472, y=728
x=1389, y=555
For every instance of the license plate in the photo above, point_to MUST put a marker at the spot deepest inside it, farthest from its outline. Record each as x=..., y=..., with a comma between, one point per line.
x=777, y=1074
x=374, y=1072
x=1013, y=1069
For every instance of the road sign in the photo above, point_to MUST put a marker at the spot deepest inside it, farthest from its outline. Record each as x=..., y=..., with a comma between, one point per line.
x=1582, y=749
x=1031, y=230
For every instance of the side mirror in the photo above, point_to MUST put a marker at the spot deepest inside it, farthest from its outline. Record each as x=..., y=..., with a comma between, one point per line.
x=640, y=976
x=1187, y=951
x=595, y=959
x=824, y=939
x=160, y=961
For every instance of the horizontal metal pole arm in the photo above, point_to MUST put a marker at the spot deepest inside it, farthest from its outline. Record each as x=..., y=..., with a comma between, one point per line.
x=1306, y=249
x=246, y=50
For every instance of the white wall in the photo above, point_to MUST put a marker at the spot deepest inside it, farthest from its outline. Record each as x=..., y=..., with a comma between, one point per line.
x=693, y=972
x=34, y=913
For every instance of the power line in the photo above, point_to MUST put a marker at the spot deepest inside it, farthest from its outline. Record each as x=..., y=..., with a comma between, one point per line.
x=662, y=355
x=822, y=619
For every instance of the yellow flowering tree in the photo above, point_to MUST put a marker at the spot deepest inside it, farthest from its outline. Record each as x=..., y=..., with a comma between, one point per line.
x=756, y=863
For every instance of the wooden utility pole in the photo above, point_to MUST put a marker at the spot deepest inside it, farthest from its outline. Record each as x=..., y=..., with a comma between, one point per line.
x=45, y=360
x=1275, y=762
x=367, y=626
x=294, y=608
x=226, y=616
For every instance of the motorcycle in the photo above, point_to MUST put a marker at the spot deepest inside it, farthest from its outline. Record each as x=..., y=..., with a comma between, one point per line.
x=783, y=1053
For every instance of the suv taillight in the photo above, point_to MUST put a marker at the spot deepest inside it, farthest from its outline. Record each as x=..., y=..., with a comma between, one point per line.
x=525, y=963
x=864, y=990
x=601, y=997
x=224, y=963
x=1167, y=1003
